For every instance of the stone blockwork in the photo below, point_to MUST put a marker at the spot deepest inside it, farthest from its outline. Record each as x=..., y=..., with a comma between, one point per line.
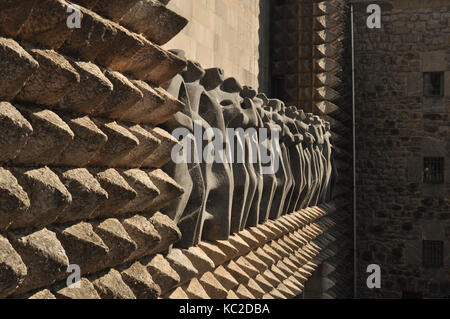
x=223, y=34
x=399, y=126
x=271, y=260
x=88, y=176
x=80, y=181
x=311, y=68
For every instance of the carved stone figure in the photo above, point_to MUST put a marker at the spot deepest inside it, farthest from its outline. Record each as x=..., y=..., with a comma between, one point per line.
x=231, y=135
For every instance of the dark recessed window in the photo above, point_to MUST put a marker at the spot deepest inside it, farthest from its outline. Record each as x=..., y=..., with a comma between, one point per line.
x=433, y=170
x=433, y=253
x=433, y=84
x=412, y=295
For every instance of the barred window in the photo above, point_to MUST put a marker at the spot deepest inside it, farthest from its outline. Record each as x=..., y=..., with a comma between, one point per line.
x=433, y=84
x=433, y=170
x=433, y=253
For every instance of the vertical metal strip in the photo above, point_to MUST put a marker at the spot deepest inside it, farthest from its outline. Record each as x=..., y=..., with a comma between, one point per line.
x=355, y=271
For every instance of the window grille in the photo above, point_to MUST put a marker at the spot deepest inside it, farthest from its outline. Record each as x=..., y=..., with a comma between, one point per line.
x=433, y=170
x=433, y=84
x=433, y=253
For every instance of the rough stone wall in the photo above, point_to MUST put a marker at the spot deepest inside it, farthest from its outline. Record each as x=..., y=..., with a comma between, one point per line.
x=86, y=175
x=80, y=180
x=311, y=69
x=397, y=127
x=270, y=261
x=223, y=34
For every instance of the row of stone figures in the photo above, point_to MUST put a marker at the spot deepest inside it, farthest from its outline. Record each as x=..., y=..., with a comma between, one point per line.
x=222, y=198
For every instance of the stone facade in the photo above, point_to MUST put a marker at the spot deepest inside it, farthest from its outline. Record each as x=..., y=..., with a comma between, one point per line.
x=87, y=175
x=88, y=179
x=310, y=55
x=221, y=33
x=398, y=125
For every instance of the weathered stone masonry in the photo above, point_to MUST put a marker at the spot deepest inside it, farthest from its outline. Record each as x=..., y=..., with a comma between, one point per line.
x=86, y=176
x=398, y=125
x=311, y=68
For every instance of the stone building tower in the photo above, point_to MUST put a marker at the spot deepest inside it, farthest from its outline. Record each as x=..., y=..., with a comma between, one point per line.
x=403, y=148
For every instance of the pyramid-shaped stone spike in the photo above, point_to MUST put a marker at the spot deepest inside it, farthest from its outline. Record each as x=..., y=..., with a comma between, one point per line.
x=14, y=270
x=36, y=183
x=243, y=293
x=241, y=245
x=213, y=252
x=44, y=256
x=13, y=199
x=55, y=75
x=195, y=290
x=162, y=273
x=15, y=131
x=264, y=283
x=285, y=291
x=119, y=191
x=147, y=145
x=20, y=64
x=296, y=290
x=44, y=294
x=112, y=286
x=271, y=278
x=167, y=230
x=124, y=96
x=140, y=281
x=162, y=154
x=88, y=140
x=85, y=291
x=278, y=272
x=199, y=259
x=178, y=294
x=142, y=110
x=182, y=265
x=83, y=247
x=92, y=90
x=51, y=135
x=87, y=194
x=143, y=234
x=225, y=278
x=246, y=266
x=168, y=189
x=144, y=187
x=256, y=262
x=229, y=249
x=264, y=257
x=114, y=235
x=120, y=143
x=165, y=23
x=271, y=252
x=237, y=272
x=212, y=286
